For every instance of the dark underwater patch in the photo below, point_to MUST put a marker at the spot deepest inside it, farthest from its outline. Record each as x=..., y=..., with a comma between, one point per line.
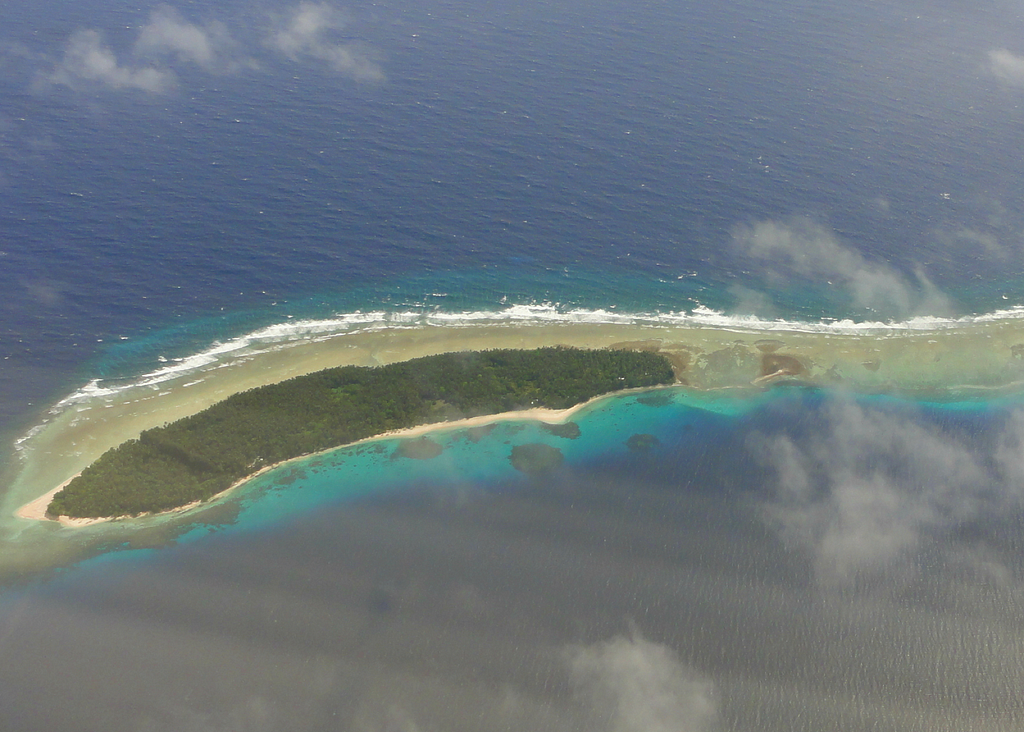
x=642, y=442
x=568, y=430
x=536, y=458
x=422, y=448
x=655, y=400
x=475, y=434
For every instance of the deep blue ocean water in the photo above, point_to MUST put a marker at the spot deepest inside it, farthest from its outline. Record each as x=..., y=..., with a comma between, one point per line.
x=572, y=158
x=598, y=156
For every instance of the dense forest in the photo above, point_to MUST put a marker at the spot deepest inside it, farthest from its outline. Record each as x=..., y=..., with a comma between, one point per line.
x=196, y=457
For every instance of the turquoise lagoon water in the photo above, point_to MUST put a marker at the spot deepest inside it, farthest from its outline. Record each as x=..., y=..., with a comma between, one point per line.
x=795, y=559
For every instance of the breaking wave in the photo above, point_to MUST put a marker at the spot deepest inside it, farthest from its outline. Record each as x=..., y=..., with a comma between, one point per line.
x=295, y=331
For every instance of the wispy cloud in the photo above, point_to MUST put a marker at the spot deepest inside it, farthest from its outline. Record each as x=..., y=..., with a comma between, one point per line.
x=870, y=486
x=89, y=60
x=1006, y=65
x=310, y=30
x=209, y=46
x=168, y=42
x=994, y=244
x=634, y=685
x=968, y=239
x=804, y=249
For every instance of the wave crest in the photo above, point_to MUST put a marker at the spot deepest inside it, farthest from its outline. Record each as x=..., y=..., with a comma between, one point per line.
x=294, y=331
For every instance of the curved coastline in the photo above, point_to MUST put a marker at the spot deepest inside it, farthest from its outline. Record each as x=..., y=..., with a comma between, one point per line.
x=36, y=509
x=983, y=355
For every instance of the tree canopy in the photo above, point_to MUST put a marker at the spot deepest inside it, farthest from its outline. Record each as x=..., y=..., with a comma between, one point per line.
x=199, y=456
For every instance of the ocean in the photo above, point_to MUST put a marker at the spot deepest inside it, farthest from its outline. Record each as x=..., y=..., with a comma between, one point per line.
x=188, y=193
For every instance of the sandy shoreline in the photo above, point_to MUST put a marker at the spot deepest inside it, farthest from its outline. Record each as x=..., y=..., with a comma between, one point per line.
x=36, y=509
x=973, y=359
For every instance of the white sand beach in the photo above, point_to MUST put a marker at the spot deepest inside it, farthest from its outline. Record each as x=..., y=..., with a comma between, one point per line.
x=975, y=356
x=36, y=509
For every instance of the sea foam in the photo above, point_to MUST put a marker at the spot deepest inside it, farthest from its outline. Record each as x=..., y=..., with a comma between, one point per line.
x=291, y=332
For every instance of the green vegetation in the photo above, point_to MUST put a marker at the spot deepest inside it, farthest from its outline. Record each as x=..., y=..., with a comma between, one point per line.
x=196, y=457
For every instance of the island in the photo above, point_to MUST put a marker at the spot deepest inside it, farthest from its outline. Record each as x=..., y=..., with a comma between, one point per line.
x=195, y=458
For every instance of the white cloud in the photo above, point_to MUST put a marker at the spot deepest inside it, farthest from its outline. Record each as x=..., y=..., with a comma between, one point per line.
x=808, y=250
x=751, y=302
x=88, y=59
x=210, y=47
x=972, y=240
x=309, y=30
x=633, y=685
x=1006, y=65
x=870, y=486
x=1009, y=455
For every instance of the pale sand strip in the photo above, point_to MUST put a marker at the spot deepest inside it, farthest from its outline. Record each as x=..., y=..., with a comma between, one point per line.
x=36, y=510
x=980, y=356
